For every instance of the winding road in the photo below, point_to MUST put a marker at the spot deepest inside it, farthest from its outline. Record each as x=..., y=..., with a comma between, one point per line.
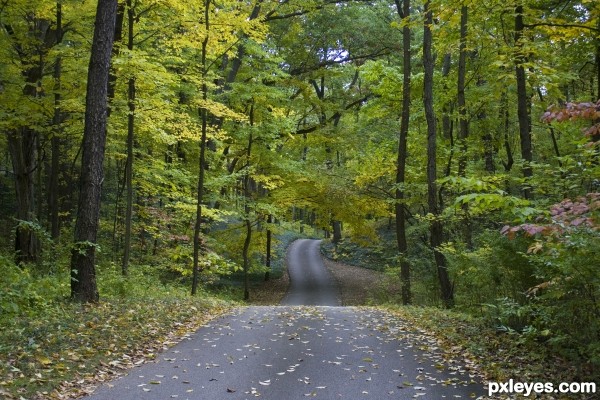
x=306, y=348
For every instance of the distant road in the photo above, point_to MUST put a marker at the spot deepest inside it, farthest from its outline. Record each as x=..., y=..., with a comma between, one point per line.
x=310, y=282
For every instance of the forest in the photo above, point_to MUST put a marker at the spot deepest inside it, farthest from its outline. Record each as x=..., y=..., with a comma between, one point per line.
x=170, y=150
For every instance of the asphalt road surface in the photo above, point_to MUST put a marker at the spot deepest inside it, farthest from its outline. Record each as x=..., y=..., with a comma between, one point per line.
x=299, y=351
x=310, y=282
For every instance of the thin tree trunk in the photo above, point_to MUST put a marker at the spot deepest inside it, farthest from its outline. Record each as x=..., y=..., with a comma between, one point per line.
x=83, y=271
x=247, y=221
x=399, y=206
x=202, y=158
x=463, y=122
x=269, y=241
x=505, y=117
x=436, y=225
x=523, y=103
x=53, y=185
x=130, y=136
x=552, y=133
x=118, y=37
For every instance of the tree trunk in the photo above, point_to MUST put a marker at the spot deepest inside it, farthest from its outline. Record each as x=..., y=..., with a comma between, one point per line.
x=523, y=103
x=247, y=221
x=268, y=251
x=436, y=225
x=130, y=135
x=505, y=117
x=400, y=208
x=118, y=36
x=22, y=145
x=336, y=226
x=202, y=158
x=463, y=122
x=53, y=184
x=83, y=272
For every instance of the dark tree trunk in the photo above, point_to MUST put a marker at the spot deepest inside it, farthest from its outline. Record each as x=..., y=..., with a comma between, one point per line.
x=505, y=117
x=400, y=207
x=437, y=234
x=130, y=137
x=22, y=145
x=463, y=122
x=336, y=226
x=523, y=103
x=202, y=158
x=118, y=37
x=247, y=221
x=83, y=271
x=268, y=251
x=53, y=184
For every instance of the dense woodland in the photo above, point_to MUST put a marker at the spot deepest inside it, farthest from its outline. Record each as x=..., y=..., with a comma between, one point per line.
x=454, y=141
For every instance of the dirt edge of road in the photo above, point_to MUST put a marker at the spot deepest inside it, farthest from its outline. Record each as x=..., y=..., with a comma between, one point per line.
x=356, y=284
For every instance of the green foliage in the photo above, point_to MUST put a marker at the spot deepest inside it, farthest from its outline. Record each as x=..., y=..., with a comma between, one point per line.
x=562, y=249
x=23, y=294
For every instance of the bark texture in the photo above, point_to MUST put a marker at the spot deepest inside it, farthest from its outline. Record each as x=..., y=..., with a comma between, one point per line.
x=83, y=272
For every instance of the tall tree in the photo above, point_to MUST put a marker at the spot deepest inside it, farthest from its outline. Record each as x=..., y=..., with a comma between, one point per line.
x=53, y=185
x=83, y=271
x=463, y=121
x=202, y=158
x=130, y=136
x=436, y=228
x=523, y=98
x=400, y=206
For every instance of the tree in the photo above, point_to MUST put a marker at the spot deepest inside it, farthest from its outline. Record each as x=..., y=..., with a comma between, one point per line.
x=400, y=206
x=523, y=102
x=436, y=228
x=202, y=158
x=83, y=272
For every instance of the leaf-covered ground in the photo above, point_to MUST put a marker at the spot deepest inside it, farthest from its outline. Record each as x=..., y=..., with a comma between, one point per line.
x=72, y=348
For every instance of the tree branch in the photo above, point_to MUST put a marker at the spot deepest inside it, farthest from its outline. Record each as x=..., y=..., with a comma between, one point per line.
x=590, y=28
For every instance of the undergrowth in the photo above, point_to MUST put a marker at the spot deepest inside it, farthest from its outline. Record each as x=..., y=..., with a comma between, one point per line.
x=500, y=356
x=52, y=348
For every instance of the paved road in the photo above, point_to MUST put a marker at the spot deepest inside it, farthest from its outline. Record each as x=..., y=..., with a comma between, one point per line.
x=310, y=282
x=298, y=352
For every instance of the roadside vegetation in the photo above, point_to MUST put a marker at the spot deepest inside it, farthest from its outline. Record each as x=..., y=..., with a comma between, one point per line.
x=515, y=323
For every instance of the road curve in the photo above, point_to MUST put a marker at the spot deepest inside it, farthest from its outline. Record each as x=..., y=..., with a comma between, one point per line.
x=310, y=282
